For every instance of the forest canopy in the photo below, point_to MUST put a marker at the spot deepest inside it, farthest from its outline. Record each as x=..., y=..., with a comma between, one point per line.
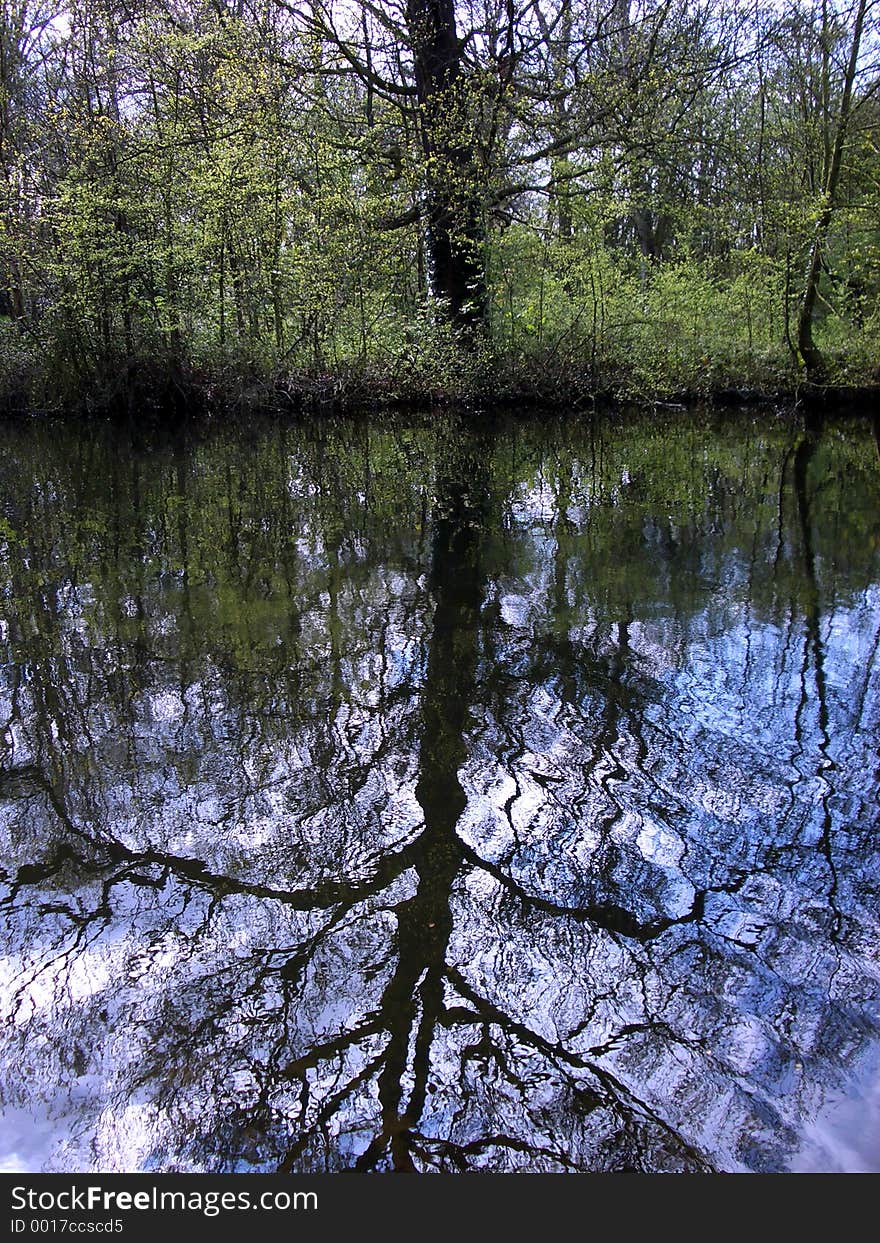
x=409, y=197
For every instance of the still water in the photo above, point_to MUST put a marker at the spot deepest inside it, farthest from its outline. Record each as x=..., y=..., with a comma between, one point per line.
x=389, y=795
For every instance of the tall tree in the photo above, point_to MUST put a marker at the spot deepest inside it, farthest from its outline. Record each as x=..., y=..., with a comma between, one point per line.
x=453, y=224
x=836, y=131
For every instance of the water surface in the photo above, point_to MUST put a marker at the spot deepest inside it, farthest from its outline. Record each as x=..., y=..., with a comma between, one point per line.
x=403, y=795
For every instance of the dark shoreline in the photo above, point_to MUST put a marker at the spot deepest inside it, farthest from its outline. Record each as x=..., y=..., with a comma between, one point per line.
x=176, y=399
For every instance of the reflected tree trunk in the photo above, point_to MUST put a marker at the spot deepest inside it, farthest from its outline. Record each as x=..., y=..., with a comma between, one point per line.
x=412, y=1003
x=814, y=646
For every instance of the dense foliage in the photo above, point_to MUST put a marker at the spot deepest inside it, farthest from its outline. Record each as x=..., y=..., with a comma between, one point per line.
x=415, y=197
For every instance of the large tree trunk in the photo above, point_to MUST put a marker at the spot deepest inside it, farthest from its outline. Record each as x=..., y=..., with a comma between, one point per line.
x=651, y=227
x=559, y=49
x=807, y=347
x=652, y=231
x=454, y=227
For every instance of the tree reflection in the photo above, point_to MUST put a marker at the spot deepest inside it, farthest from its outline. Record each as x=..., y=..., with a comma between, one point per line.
x=430, y=798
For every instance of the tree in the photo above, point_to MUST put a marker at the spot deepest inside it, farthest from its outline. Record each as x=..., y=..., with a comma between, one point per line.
x=835, y=132
x=317, y=193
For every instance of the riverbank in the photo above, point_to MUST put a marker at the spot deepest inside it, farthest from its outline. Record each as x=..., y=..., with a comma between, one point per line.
x=169, y=390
